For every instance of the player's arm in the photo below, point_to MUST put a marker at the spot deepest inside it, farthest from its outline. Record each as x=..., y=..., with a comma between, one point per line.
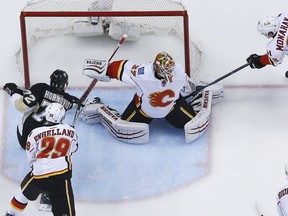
x=258, y=61
x=76, y=101
x=273, y=57
x=18, y=96
x=102, y=71
x=12, y=88
x=19, y=104
x=115, y=69
x=123, y=70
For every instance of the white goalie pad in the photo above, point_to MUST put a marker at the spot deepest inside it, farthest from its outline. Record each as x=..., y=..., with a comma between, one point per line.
x=198, y=125
x=90, y=114
x=96, y=69
x=217, y=96
x=129, y=132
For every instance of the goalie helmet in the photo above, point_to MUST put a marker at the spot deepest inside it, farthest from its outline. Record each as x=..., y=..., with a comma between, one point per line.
x=55, y=113
x=59, y=79
x=164, y=66
x=268, y=26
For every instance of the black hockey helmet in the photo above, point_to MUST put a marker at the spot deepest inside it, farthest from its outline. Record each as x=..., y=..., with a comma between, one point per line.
x=59, y=79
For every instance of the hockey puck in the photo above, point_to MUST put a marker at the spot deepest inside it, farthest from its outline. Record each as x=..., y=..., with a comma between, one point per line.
x=286, y=74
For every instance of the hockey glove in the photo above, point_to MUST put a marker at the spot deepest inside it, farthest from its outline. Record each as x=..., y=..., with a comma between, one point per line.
x=254, y=61
x=77, y=101
x=12, y=88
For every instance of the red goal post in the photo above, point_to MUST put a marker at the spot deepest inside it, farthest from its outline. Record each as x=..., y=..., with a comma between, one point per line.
x=42, y=18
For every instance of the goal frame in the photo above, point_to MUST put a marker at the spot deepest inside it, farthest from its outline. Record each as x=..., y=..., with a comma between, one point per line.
x=25, y=14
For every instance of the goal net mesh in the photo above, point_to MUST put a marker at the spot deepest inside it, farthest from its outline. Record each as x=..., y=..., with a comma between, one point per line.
x=46, y=18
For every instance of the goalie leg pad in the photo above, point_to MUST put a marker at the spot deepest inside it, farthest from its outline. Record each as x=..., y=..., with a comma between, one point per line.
x=217, y=96
x=217, y=92
x=199, y=124
x=129, y=132
x=89, y=113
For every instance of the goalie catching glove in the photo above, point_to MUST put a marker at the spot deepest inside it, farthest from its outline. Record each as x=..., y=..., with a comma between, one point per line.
x=96, y=69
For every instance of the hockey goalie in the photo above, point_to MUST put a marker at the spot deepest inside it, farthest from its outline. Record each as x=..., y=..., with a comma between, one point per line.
x=160, y=89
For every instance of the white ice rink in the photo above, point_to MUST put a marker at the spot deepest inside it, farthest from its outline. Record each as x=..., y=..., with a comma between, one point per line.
x=248, y=134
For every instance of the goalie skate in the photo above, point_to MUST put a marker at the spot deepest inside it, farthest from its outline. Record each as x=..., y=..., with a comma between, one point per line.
x=129, y=132
x=199, y=124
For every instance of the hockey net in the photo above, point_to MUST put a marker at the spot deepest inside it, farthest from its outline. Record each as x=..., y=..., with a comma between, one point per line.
x=45, y=18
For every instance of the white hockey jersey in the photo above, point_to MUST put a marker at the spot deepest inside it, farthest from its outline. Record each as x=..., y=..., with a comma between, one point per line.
x=49, y=149
x=278, y=47
x=157, y=96
x=282, y=201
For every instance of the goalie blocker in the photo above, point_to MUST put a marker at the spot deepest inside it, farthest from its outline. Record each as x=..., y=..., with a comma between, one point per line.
x=96, y=69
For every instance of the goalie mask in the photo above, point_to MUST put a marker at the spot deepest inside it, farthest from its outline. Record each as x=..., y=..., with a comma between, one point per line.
x=164, y=66
x=59, y=79
x=268, y=26
x=55, y=113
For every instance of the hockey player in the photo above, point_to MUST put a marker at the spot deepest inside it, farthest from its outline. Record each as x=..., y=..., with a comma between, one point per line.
x=33, y=102
x=276, y=29
x=158, y=91
x=49, y=149
x=282, y=198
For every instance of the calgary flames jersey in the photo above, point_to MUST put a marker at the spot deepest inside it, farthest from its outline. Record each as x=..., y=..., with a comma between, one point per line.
x=49, y=148
x=278, y=47
x=156, y=96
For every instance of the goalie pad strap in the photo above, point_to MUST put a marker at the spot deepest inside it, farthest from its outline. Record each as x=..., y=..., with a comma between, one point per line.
x=130, y=132
x=198, y=125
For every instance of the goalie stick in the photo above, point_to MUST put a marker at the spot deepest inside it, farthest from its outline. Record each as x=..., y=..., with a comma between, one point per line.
x=77, y=113
x=200, y=88
x=94, y=81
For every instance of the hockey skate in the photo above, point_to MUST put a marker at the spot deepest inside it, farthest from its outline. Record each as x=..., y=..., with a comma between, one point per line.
x=217, y=95
x=7, y=214
x=45, y=203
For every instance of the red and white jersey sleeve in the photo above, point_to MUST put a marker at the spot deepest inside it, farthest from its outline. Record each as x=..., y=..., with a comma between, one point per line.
x=278, y=47
x=157, y=96
x=282, y=201
x=49, y=148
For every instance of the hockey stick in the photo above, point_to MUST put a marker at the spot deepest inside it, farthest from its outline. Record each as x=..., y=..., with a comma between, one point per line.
x=94, y=81
x=77, y=113
x=200, y=88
